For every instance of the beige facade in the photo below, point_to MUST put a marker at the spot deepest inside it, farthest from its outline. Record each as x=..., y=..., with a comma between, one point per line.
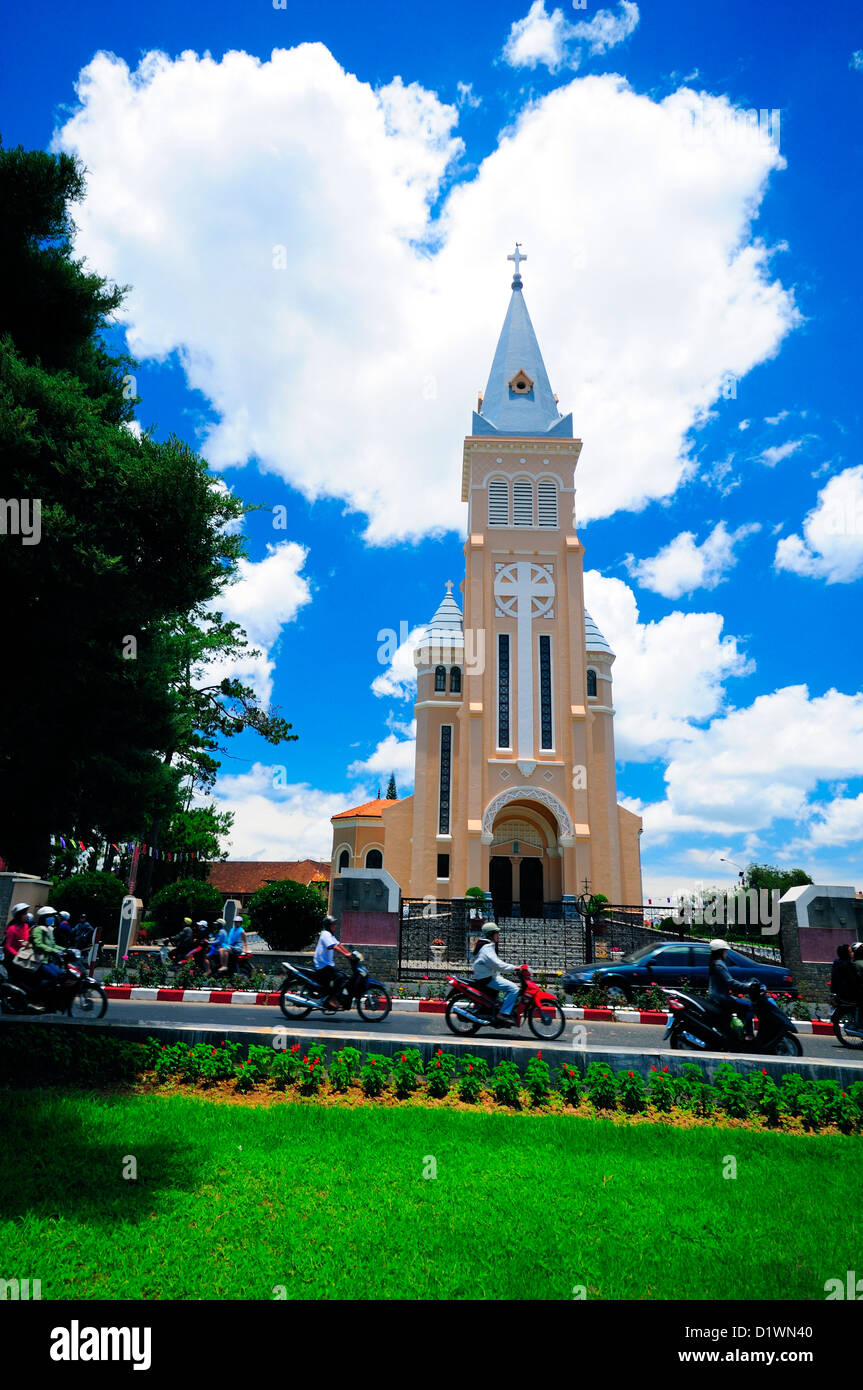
x=515, y=788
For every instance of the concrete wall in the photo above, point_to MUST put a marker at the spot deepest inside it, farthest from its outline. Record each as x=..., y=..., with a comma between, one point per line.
x=21, y=888
x=813, y=920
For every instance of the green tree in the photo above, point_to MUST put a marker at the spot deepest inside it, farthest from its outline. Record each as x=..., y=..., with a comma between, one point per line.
x=108, y=719
x=287, y=915
x=767, y=876
x=99, y=895
x=392, y=794
x=186, y=897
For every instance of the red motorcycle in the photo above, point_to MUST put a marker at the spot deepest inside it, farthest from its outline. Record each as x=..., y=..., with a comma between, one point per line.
x=472, y=1005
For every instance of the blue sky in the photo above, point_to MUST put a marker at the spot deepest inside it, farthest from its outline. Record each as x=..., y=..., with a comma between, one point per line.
x=315, y=229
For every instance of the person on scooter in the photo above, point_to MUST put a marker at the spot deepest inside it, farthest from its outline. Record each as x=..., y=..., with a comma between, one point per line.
x=64, y=933
x=719, y=991
x=487, y=966
x=183, y=941
x=52, y=968
x=857, y=996
x=17, y=935
x=327, y=976
x=234, y=945
x=843, y=976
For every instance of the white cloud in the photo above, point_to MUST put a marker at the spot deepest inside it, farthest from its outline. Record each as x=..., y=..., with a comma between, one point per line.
x=399, y=680
x=755, y=766
x=857, y=60
x=744, y=424
x=777, y=452
x=467, y=96
x=266, y=596
x=831, y=546
x=552, y=40
x=277, y=820
x=777, y=419
x=371, y=343
x=838, y=822
x=396, y=753
x=669, y=675
x=682, y=565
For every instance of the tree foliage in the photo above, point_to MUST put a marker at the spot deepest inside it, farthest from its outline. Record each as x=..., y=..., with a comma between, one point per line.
x=99, y=895
x=108, y=717
x=185, y=897
x=768, y=876
x=287, y=915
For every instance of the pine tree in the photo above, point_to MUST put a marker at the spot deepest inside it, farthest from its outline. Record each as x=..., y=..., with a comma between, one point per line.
x=392, y=794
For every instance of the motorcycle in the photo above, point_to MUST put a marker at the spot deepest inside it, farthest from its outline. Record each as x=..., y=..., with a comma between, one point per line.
x=77, y=995
x=472, y=1005
x=695, y=1025
x=301, y=992
x=845, y=1025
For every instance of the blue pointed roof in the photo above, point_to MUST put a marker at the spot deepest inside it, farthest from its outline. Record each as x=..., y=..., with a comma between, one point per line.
x=505, y=410
x=593, y=638
x=447, y=626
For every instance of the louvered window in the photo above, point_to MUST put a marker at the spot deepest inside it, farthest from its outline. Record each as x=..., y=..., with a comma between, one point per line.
x=498, y=502
x=547, y=499
x=445, y=779
x=522, y=502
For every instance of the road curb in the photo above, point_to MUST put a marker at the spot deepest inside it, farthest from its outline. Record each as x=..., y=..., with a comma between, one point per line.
x=653, y=1017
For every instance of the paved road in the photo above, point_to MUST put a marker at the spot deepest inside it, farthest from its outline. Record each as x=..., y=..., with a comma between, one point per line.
x=405, y=1026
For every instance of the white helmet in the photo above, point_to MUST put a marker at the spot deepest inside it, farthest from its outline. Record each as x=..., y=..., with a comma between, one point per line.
x=717, y=944
x=202, y=923
x=47, y=912
x=65, y=914
x=20, y=907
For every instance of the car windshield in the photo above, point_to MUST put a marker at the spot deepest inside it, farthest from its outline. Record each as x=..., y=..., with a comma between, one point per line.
x=638, y=955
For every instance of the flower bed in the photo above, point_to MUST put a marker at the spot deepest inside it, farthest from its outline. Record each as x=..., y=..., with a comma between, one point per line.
x=796, y=1104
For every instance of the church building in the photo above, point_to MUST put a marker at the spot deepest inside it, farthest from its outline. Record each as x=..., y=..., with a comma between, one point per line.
x=515, y=789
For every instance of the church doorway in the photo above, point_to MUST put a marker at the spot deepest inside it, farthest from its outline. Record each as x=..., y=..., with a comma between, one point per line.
x=530, y=887
x=500, y=885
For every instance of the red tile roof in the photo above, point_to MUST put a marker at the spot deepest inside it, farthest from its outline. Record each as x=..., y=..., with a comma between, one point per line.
x=246, y=875
x=368, y=808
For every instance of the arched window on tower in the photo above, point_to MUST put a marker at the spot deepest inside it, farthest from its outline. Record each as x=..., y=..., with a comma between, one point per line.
x=455, y=681
x=546, y=492
x=374, y=859
x=591, y=684
x=344, y=860
x=440, y=680
x=522, y=502
x=498, y=502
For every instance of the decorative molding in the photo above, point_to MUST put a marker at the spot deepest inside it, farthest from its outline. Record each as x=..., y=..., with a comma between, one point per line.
x=546, y=799
x=526, y=769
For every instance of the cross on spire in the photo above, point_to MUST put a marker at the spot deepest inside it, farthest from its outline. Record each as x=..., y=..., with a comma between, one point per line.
x=517, y=257
x=449, y=586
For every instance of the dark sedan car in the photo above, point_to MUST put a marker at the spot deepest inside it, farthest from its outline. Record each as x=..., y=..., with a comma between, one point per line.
x=673, y=963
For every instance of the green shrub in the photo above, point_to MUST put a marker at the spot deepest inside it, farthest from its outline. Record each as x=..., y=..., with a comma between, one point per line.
x=601, y=1086
x=632, y=1093
x=374, y=1074
x=662, y=1090
x=688, y=1086
x=343, y=1068
x=569, y=1084
x=472, y=1078
x=791, y=1091
x=439, y=1074
x=407, y=1069
x=185, y=897
x=732, y=1092
x=255, y=1071
x=311, y=1072
x=287, y=915
x=285, y=1068
x=99, y=895
x=537, y=1079
x=505, y=1084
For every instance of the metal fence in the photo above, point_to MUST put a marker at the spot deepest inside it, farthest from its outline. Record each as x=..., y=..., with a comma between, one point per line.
x=435, y=936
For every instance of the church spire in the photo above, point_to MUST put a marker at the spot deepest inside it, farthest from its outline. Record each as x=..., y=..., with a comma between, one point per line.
x=518, y=399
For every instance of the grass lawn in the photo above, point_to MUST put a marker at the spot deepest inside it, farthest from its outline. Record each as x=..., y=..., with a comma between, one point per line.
x=231, y=1200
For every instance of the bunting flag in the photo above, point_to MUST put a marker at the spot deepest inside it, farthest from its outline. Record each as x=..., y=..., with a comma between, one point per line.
x=127, y=847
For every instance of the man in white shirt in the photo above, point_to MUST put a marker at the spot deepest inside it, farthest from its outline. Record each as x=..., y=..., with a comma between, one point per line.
x=323, y=959
x=486, y=970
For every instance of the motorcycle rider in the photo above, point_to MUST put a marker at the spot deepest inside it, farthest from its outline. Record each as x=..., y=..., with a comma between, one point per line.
x=843, y=976
x=487, y=966
x=51, y=969
x=17, y=935
x=183, y=941
x=234, y=945
x=325, y=970
x=64, y=933
x=719, y=991
x=857, y=996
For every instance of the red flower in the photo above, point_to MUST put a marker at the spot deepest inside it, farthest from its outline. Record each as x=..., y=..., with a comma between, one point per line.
x=438, y=1064
x=763, y=1071
x=539, y=1055
x=629, y=1073
x=372, y=1060
x=404, y=1058
x=665, y=1068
